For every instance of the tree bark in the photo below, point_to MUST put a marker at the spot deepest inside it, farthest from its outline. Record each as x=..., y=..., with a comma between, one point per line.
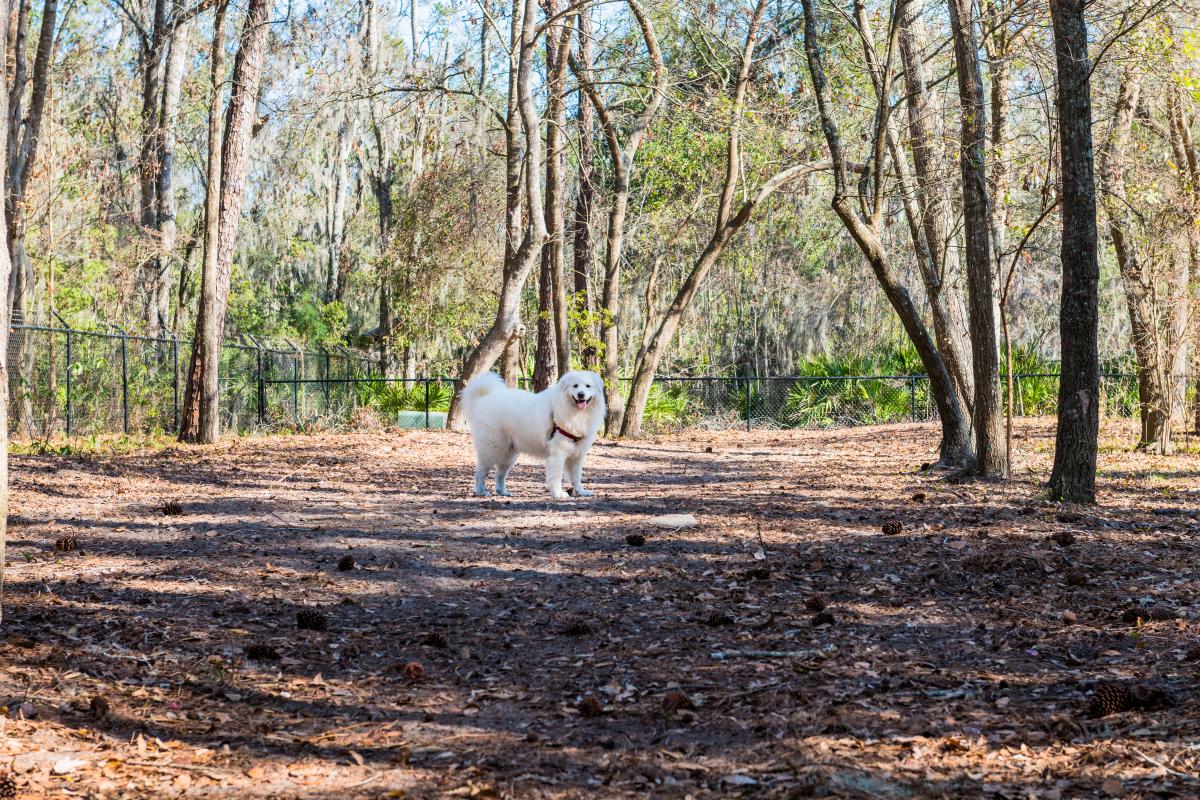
x=940, y=268
x=524, y=157
x=1073, y=477
x=583, y=246
x=725, y=226
x=159, y=297
x=5, y=312
x=865, y=232
x=987, y=413
x=23, y=137
x=622, y=156
x=235, y=151
x=552, y=357
x=1153, y=406
x=189, y=415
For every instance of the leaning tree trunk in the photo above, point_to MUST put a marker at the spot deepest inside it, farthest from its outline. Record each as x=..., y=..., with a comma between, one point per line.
x=523, y=148
x=1073, y=477
x=1154, y=409
x=4, y=318
x=940, y=269
x=235, y=151
x=986, y=411
x=622, y=156
x=955, y=446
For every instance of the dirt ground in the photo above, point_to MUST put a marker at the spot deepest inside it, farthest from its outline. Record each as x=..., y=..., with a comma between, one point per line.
x=515, y=647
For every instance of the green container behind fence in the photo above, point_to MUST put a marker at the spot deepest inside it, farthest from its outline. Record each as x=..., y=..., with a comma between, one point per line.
x=416, y=419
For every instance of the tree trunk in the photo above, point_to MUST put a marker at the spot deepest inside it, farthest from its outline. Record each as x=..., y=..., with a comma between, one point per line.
x=337, y=212
x=189, y=415
x=235, y=147
x=726, y=225
x=23, y=137
x=622, y=156
x=987, y=416
x=524, y=157
x=584, y=246
x=955, y=448
x=159, y=299
x=1154, y=411
x=1073, y=477
x=4, y=319
x=940, y=272
x=551, y=358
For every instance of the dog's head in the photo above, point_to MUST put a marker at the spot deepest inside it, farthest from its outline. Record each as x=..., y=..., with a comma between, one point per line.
x=583, y=389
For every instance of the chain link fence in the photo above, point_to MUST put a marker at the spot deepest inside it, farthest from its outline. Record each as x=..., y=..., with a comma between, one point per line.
x=81, y=382
x=68, y=381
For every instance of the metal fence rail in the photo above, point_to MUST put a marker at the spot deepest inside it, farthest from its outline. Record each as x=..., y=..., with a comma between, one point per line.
x=68, y=381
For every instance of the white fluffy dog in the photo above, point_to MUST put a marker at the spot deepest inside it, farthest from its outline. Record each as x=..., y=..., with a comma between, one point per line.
x=557, y=425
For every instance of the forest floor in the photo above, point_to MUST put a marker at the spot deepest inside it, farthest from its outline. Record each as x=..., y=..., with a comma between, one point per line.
x=515, y=647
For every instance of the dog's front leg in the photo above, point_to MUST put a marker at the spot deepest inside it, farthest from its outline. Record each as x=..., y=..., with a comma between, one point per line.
x=481, y=473
x=554, y=475
x=575, y=473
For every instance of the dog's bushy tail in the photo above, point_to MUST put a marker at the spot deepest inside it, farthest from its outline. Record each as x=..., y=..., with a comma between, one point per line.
x=478, y=386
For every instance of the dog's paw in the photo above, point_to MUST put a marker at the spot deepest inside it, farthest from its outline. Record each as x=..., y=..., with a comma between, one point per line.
x=559, y=495
x=584, y=493
x=505, y=493
x=484, y=493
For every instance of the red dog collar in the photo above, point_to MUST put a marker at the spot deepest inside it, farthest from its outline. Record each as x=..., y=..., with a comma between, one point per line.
x=567, y=434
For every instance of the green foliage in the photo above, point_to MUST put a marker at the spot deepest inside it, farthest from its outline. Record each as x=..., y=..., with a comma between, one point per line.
x=666, y=407
x=392, y=397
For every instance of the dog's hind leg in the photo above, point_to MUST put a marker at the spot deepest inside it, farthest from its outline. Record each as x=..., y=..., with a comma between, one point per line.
x=481, y=473
x=502, y=470
x=575, y=473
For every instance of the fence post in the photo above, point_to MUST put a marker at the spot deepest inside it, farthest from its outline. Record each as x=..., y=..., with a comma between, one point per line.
x=262, y=386
x=328, y=399
x=296, y=387
x=125, y=381
x=426, y=379
x=912, y=396
x=70, y=358
x=747, y=403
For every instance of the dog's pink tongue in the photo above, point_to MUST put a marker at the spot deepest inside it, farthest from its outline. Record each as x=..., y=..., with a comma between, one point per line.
x=581, y=403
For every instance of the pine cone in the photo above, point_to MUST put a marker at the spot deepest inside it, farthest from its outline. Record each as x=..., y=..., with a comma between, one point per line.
x=309, y=619
x=577, y=628
x=8, y=787
x=758, y=573
x=66, y=544
x=1148, y=614
x=435, y=639
x=345, y=563
x=1063, y=538
x=98, y=708
x=815, y=603
x=261, y=652
x=892, y=527
x=635, y=540
x=823, y=618
x=589, y=707
x=718, y=618
x=1074, y=577
x=1109, y=698
x=676, y=700
x=171, y=508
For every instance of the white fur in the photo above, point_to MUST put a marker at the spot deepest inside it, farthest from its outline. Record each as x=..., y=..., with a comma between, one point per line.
x=508, y=422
